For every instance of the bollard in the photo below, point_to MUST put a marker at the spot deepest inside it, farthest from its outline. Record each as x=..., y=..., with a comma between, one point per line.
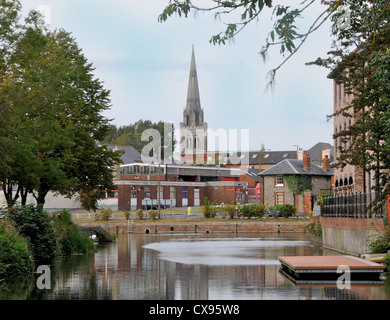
x=189, y=211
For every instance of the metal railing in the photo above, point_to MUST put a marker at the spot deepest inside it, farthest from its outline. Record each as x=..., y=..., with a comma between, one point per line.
x=355, y=205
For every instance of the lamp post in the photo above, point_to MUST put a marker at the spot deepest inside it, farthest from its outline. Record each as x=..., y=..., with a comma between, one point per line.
x=159, y=179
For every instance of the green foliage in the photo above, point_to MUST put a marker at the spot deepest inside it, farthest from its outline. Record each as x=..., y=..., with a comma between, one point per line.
x=231, y=210
x=209, y=208
x=127, y=215
x=153, y=214
x=298, y=183
x=287, y=209
x=69, y=236
x=103, y=214
x=16, y=258
x=140, y=214
x=314, y=229
x=386, y=261
x=37, y=226
x=254, y=210
x=131, y=135
x=381, y=243
x=53, y=111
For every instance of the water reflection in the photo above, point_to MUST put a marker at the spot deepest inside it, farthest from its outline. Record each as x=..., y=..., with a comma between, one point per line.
x=188, y=267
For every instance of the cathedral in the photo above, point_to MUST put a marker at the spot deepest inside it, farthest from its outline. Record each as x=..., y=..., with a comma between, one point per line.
x=193, y=129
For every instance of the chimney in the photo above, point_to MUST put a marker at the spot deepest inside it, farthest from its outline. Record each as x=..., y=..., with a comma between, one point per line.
x=326, y=163
x=306, y=162
x=300, y=154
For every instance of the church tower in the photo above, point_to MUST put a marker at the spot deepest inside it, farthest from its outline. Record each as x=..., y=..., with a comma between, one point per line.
x=193, y=129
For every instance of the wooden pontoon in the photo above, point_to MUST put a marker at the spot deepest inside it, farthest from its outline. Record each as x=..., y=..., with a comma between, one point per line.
x=328, y=269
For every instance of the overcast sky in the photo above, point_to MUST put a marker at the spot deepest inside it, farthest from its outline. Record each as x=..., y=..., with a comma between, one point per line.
x=146, y=66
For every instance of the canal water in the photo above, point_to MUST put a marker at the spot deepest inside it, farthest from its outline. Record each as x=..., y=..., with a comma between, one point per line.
x=189, y=267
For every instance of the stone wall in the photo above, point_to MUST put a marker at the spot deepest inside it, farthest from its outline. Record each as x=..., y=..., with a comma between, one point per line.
x=349, y=235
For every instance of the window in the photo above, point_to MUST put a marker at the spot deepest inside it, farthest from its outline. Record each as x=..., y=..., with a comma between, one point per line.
x=266, y=156
x=279, y=181
x=147, y=193
x=279, y=198
x=172, y=193
x=184, y=193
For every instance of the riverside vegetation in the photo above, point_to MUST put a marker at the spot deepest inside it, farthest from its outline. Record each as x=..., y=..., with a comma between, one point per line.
x=30, y=237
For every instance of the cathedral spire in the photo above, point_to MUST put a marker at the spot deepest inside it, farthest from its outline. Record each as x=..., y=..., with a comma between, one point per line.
x=193, y=97
x=193, y=129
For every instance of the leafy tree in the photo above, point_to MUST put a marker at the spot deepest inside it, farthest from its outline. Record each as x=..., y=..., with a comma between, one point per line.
x=56, y=119
x=130, y=135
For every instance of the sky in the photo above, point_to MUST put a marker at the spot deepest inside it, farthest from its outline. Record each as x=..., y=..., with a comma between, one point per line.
x=145, y=64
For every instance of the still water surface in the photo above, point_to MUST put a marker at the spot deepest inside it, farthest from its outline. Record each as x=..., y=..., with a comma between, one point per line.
x=190, y=267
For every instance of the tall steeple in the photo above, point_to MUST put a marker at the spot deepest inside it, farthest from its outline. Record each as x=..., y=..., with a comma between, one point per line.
x=193, y=128
x=193, y=97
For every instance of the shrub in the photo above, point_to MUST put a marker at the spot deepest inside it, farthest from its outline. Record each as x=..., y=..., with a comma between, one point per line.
x=231, y=210
x=140, y=214
x=153, y=214
x=287, y=209
x=69, y=236
x=247, y=211
x=36, y=225
x=259, y=210
x=210, y=211
x=127, y=215
x=386, y=261
x=16, y=258
x=103, y=214
x=381, y=243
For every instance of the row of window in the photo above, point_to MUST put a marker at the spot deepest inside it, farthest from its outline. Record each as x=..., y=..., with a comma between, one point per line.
x=343, y=182
x=172, y=192
x=140, y=169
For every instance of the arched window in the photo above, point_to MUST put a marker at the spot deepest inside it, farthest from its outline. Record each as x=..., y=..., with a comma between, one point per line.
x=336, y=183
x=345, y=181
x=341, y=182
x=350, y=180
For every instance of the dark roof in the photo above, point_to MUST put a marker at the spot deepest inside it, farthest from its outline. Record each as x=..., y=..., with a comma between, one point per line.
x=252, y=174
x=130, y=155
x=315, y=152
x=293, y=166
x=267, y=157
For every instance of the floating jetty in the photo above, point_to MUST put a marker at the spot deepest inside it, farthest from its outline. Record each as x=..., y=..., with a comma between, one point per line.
x=328, y=269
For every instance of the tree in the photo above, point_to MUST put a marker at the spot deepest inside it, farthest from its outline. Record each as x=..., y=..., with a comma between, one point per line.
x=56, y=119
x=130, y=135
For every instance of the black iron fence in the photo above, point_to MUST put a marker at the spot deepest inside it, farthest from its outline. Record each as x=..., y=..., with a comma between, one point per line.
x=355, y=205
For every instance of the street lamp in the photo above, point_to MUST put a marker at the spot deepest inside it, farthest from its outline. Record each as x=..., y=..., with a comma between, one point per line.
x=159, y=179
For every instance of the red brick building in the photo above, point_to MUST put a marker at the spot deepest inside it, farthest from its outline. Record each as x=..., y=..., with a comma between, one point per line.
x=180, y=186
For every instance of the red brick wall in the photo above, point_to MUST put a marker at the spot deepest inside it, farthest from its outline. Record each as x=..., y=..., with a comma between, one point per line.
x=203, y=227
x=352, y=223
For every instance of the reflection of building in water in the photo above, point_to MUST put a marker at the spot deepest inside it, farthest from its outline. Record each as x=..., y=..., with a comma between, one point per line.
x=192, y=282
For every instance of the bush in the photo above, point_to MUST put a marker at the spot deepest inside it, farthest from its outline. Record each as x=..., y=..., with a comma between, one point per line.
x=210, y=211
x=386, y=261
x=153, y=214
x=70, y=238
x=381, y=243
x=259, y=210
x=231, y=210
x=127, y=215
x=103, y=214
x=16, y=258
x=36, y=225
x=140, y=214
x=287, y=210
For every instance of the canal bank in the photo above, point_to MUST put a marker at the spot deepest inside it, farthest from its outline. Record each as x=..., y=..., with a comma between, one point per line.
x=199, y=226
